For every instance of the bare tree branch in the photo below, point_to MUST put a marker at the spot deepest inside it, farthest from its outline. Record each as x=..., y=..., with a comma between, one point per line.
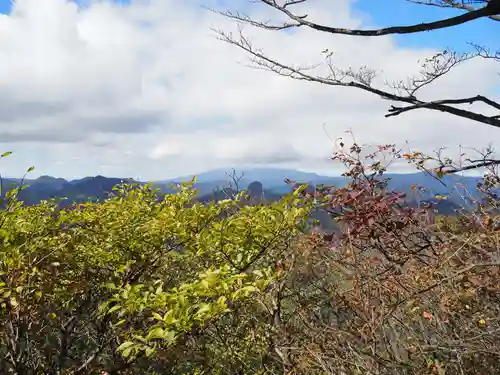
x=394, y=111
x=486, y=53
x=362, y=80
x=492, y=8
x=405, y=91
x=462, y=5
x=434, y=68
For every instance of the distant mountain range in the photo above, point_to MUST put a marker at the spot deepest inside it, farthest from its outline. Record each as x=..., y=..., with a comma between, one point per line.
x=459, y=190
x=267, y=183
x=47, y=187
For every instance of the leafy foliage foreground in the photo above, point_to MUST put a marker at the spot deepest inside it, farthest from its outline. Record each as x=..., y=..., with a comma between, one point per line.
x=127, y=283
x=154, y=284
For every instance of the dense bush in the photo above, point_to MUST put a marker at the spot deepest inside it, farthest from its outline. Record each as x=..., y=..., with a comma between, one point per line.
x=130, y=283
x=397, y=292
x=147, y=284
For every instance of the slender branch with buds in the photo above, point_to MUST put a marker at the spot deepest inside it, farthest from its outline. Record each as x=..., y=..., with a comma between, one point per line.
x=404, y=92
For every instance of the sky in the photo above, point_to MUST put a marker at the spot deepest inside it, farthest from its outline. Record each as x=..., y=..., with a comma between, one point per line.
x=143, y=89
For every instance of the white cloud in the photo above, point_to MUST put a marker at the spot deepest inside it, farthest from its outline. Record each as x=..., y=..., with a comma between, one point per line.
x=147, y=91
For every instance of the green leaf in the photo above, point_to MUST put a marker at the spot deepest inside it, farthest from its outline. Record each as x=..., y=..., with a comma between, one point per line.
x=204, y=284
x=169, y=336
x=155, y=333
x=126, y=352
x=125, y=345
x=203, y=309
x=114, y=308
x=222, y=300
x=30, y=169
x=6, y=154
x=156, y=316
x=169, y=318
x=149, y=351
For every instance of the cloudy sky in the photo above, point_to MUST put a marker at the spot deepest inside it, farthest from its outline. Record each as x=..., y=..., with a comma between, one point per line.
x=143, y=88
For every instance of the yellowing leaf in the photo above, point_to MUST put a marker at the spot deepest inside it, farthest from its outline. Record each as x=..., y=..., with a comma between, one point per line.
x=155, y=333
x=114, y=308
x=156, y=316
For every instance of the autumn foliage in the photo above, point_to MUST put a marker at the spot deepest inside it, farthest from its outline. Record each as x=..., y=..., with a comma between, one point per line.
x=401, y=292
x=143, y=284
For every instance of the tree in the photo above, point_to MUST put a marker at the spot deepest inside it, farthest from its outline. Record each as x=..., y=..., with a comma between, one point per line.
x=396, y=291
x=406, y=93
x=127, y=284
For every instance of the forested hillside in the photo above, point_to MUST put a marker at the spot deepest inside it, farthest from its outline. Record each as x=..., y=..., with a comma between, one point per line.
x=148, y=283
x=388, y=264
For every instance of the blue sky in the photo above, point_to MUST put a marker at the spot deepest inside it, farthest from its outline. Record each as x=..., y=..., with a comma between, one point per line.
x=402, y=12
x=5, y=6
x=390, y=12
x=386, y=12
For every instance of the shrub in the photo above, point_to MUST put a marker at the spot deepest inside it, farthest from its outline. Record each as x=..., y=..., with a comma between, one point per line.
x=396, y=292
x=167, y=285
x=127, y=284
